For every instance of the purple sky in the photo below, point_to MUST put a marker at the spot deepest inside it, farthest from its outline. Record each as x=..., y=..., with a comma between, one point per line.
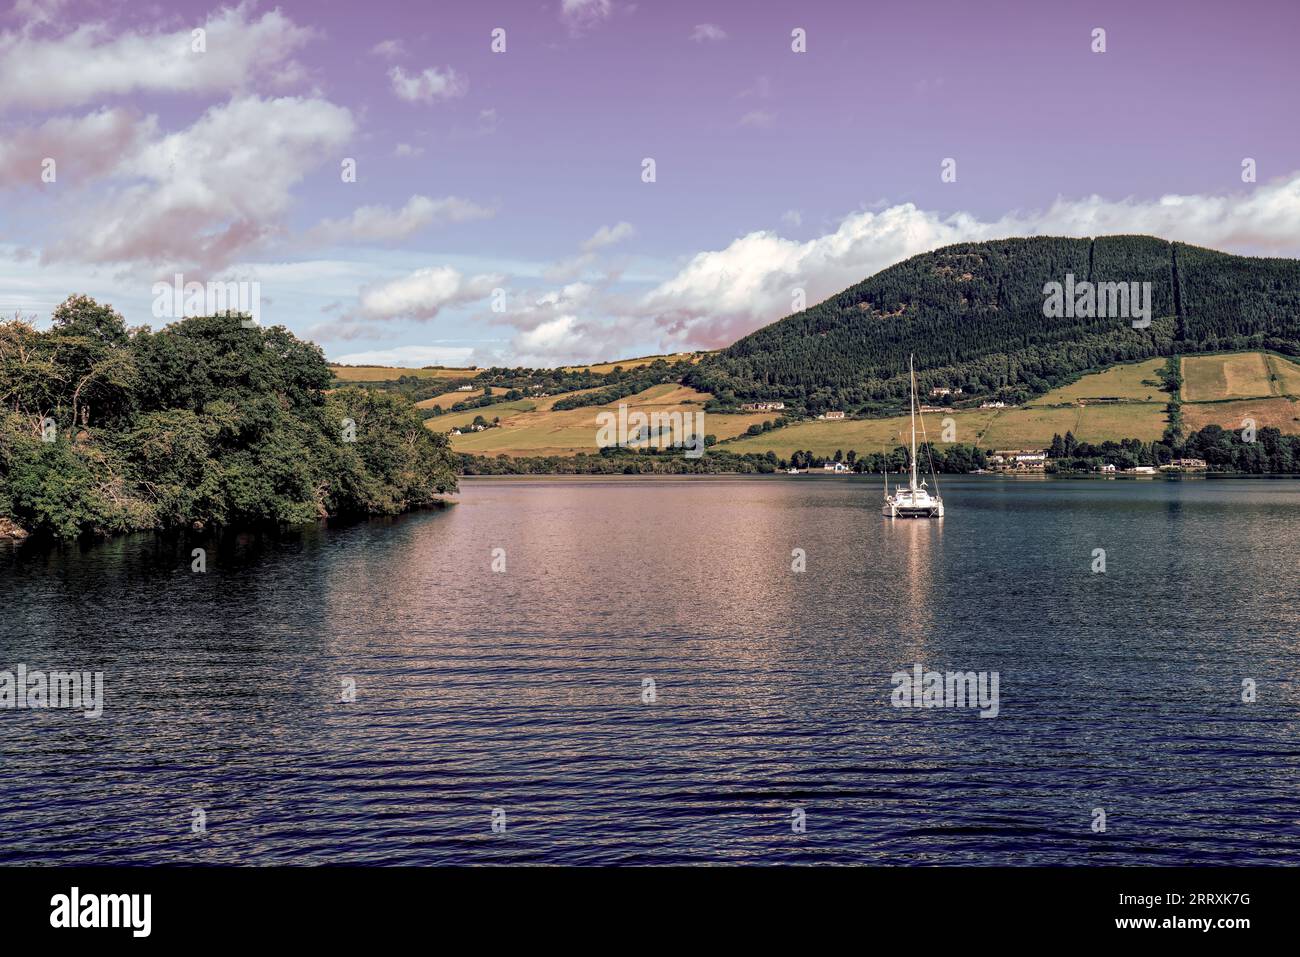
x=521, y=171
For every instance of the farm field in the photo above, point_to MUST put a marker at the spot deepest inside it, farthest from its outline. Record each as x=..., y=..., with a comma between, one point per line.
x=458, y=420
x=1218, y=389
x=542, y=431
x=864, y=435
x=1137, y=381
x=390, y=373
x=990, y=429
x=1286, y=373
x=448, y=399
x=602, y=367
x=1242, y=375
x=1279, y=412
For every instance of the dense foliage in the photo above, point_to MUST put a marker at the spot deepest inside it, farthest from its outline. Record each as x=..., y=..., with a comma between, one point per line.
x=617, y=460
x=1223, y=450
x=205, y=422
x=973, y=315
x=622, y=461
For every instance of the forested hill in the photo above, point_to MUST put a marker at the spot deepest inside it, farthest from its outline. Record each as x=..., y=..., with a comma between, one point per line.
x=973, y=314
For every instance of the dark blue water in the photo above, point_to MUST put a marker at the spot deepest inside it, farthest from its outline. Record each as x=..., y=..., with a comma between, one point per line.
x=522, y=689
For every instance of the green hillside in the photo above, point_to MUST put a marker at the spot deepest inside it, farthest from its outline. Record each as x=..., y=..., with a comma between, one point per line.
x=973, y=316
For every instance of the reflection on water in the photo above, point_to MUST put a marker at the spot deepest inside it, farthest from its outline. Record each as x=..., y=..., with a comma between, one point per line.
x=920, y=541
x=522, y=689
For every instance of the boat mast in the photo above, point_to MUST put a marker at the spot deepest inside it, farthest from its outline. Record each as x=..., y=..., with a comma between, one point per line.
x=912, y=397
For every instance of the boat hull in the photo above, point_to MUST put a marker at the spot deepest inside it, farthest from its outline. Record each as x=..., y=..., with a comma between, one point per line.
x=912, y=511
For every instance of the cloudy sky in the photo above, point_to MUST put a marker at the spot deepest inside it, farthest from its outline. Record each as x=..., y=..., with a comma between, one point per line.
x=501, y=210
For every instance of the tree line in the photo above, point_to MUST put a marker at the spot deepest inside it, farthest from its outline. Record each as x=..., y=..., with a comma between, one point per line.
x=210, y=421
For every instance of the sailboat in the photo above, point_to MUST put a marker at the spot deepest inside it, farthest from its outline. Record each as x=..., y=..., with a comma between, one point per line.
x=914, y=500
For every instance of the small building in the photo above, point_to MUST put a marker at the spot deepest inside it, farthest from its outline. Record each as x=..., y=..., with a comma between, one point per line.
x=464, y=388
x=999, y=404
x=933, y=408
x=831, y=415
x=1142, y=470
x=455, y=431
x=1190, y=463
x=1019, y=459
x=1107, y=468
x=944, y=390
x=836, y=467
x=763, y=406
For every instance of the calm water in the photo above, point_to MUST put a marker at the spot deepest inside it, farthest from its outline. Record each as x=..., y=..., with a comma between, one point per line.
x=522, y=690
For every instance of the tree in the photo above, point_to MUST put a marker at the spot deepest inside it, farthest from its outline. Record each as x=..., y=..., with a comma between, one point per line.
x=203, y=422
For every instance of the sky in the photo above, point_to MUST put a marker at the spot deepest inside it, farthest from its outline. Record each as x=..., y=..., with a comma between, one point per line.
x=503, y=209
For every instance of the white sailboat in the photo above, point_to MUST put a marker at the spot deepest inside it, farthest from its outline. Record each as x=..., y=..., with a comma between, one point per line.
x=914, y=500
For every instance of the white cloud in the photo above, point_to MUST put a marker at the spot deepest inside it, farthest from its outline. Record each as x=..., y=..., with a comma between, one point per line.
x=427, y=86
x=581, y=15
x=793, y=218
x=558, y=335
x=706, y=32
x=38, y=12
x=383, y=224
x=569, y=324
x=199, y=197
x=424, y=293
x=404, y=150
x=388, y=49
x=574, y=266
x=609, y=236
x=723, y=294
x=758, y=119
x=410, y=357
x=92, y=62
x=82, y=148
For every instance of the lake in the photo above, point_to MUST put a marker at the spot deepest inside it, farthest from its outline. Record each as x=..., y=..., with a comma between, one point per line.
x=513, y=688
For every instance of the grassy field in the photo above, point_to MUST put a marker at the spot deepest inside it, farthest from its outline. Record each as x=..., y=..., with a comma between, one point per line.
x=448, y=399
x=1242, y=375
x=603, y=367
x=1280, y=413
x=1286, y=375
x=1138, y=381
x=540, y=430
x=864, y=435
x=1141, y=415
x=1220, y=389
x=1025, y=428
x=390, y=373
x=458, y=420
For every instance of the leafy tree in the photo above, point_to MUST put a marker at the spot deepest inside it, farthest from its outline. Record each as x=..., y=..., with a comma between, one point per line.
x=203, y=422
